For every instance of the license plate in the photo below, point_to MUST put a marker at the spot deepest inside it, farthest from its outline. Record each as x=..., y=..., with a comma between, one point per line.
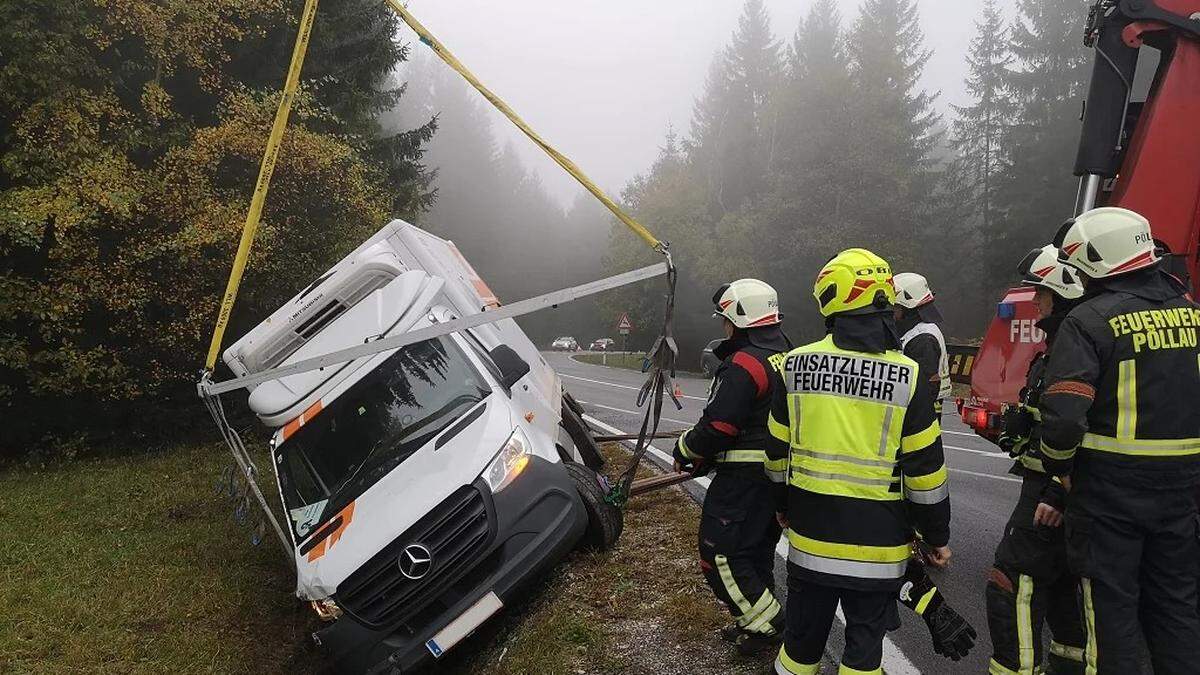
x=464, y=625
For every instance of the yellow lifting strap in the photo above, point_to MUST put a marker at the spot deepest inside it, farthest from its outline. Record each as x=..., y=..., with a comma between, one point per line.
x=570, y=167
x=265, y=169
x=271, y=153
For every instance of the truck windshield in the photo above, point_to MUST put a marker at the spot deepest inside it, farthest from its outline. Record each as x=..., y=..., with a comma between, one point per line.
x=372, y=427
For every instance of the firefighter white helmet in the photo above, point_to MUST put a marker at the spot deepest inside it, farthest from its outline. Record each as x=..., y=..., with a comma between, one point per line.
x=747, y=303
x=1043, y=268
x=912, y=290
x=1107, y=241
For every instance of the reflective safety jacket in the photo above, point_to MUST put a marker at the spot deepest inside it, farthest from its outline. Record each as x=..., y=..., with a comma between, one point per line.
x=1122, y=384
x=925, y=344
x=856, y=452
x=732, y=431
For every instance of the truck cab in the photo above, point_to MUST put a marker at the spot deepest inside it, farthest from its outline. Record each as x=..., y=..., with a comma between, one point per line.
x=424, y=485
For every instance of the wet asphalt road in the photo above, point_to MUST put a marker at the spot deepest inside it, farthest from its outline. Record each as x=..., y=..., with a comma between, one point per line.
x=982, y=495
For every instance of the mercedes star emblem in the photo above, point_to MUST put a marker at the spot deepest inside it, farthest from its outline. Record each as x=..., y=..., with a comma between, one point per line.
x=415, y=561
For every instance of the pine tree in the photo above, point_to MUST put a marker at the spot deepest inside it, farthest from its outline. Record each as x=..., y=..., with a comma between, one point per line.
x=980, y=126
x=733, y=130
x=800, y=221
x=354, y=49
x=817, y=100
x=894, y=131
x=1048, y=83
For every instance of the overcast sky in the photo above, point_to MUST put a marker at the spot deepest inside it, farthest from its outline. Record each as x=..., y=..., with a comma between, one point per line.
x=603, y=79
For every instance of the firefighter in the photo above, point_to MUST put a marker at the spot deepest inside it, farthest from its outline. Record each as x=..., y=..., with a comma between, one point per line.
x=856, y=458
x=918, y=322
x=738, y=529
x=1121, y=427
x=1030, y=582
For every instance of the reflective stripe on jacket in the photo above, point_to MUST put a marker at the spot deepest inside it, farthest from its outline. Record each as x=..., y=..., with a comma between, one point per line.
x=1121, y=384
x=943, y=359
x=863, y=454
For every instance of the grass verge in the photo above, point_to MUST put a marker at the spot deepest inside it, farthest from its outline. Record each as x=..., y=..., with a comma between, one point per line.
x=134, y=565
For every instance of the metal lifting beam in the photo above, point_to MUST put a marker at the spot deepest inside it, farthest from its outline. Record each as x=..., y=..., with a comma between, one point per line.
x=208, y=388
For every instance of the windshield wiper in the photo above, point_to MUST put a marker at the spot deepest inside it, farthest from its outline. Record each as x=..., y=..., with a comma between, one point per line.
x=403, y=436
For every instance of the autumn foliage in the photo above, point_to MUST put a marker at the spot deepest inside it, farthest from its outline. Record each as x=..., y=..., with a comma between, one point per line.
x=130, y=135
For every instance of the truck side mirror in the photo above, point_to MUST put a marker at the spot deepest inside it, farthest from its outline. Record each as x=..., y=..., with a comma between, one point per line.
x=512, y=366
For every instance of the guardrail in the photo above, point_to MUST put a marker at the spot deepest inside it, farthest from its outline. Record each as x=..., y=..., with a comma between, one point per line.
x=962, y=360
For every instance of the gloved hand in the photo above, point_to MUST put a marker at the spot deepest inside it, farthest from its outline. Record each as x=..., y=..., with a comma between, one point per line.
x=1017, y=426
x=695, y=467
x=952, y=636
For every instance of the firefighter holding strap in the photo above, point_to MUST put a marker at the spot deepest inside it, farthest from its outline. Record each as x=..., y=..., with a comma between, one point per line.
x=856, y=454
x=1120, y=418
x=1030, y=582
x=738, y=529
x=921, y=339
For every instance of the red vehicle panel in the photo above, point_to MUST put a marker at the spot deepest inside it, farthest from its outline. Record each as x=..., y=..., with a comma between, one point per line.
x=1011, y=342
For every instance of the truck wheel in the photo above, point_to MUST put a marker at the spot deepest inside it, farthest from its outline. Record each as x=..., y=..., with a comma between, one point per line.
x=580, y=433
x=605, y=521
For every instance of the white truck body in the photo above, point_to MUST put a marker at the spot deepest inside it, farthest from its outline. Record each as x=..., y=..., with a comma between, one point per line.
x=401, y=279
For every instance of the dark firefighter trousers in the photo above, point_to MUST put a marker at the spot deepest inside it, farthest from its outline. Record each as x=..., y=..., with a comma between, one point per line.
x=1031, y=584
x=738, y=533
x=810, y=611
x=1134, y=549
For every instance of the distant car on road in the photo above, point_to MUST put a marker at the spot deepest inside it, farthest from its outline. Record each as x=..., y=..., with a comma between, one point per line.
x=601, y=344
x=565, y=344
x=709, y=360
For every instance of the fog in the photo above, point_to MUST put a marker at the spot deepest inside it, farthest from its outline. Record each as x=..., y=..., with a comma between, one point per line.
x=603, y=81
x=751, y=162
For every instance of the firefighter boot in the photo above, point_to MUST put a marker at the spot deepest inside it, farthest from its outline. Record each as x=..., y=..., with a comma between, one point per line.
x=752, y=644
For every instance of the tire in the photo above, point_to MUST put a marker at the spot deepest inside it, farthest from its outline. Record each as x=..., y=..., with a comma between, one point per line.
x=605, y=521
x=580, y=433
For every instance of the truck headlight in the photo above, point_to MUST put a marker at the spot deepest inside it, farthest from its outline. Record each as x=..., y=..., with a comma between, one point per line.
x=509, y=462
x=326, y=609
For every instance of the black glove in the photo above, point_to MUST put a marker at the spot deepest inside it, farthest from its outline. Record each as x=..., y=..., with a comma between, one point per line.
x=952, y=636
x=696, y=467
x=1016, y=428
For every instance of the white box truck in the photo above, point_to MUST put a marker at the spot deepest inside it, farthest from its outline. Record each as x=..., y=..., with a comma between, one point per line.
x=425, y=485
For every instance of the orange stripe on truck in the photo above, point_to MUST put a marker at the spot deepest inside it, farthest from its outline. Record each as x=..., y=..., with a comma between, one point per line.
x=294, y=426
x=342, y=520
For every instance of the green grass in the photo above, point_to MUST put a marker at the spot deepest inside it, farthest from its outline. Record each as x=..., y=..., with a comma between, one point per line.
x=134, y=565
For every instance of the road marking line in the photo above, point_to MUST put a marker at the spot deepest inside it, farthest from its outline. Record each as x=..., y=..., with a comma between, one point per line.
x=621, y=386
x=664, y=457
x=894, y=661
x=985, y=453
x=985, y=475
x=961, y=433
x=631, y=412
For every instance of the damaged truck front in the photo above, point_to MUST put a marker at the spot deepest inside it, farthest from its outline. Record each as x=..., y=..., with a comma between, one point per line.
x=423, y=485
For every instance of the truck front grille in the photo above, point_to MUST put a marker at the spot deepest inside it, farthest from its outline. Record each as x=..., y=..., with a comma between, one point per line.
x=456, y=533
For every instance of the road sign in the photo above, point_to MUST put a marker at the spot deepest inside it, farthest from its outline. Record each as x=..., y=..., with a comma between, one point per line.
x=624, y=324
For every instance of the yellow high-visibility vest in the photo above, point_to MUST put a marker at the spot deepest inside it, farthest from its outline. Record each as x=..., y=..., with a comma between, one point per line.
x=846, y=413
